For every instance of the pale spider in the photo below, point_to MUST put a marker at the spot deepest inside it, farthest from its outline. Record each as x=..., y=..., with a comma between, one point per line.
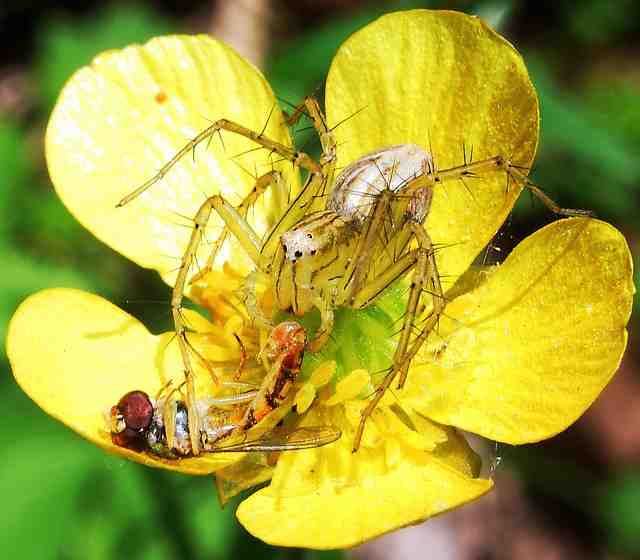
x=370, y=233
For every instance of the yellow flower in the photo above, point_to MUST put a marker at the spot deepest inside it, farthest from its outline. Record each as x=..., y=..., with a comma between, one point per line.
x=522, y=350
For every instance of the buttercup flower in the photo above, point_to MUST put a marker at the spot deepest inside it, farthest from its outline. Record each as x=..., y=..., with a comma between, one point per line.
x=522, y=349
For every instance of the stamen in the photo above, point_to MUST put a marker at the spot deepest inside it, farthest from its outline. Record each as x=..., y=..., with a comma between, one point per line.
x=304, y=397
x=350, y=387
x=323, y=373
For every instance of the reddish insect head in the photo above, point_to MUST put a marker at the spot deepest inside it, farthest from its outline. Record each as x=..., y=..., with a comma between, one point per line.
x=129, y=420
x=286, y=339
x=136, y=410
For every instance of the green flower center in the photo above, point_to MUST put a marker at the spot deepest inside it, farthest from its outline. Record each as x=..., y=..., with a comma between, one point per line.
x=361, y=338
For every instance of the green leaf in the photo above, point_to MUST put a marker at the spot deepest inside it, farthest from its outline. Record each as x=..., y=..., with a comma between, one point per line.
x=16, y=172
x=600, y=21
x=580, y=155
x=620, y=512
x=302, y=64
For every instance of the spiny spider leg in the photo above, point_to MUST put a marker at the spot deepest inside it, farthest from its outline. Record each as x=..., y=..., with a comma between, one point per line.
x=297, y=158
x=356, y=274
x=437, y=296
x=314, y=112
x=272, y=178
x=423, y=263
x=249, y=241
x=327, y=258
x=303, y=203
x=499, y=162
x=423, y=259
x=235, y=222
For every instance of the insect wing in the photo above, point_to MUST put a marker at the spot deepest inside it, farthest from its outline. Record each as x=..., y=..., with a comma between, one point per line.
x=300, y=438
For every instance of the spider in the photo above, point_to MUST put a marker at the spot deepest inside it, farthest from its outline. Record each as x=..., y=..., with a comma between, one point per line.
x=370, y=233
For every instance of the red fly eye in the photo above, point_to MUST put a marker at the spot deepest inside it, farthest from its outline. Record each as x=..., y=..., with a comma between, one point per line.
x=136, y=410
x=130, y=439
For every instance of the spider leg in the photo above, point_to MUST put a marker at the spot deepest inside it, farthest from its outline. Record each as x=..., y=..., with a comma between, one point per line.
x=297, y=158
x=311, y=108
x=545, y=198
x=248, y=239
x=326, y=306
x=422, y=261
x=364, y=253
x=438, y=303
x=319, y=174
x=270, y=179
x=317, y=181
x=495, y=163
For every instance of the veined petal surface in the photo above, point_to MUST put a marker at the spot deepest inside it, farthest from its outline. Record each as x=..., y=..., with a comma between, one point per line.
x=120, y=119
x=522, y=356
x=332, y=498
x=440, y=80
x=75, y=354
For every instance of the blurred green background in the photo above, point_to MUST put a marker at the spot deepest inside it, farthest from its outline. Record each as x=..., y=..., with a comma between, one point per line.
x=576, y=495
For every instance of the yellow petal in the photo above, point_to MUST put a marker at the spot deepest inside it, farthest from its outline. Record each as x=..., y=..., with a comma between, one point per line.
x=526, y=353
x=76, y=355
x=120, y=119
x=438, y=79
x=331, y=498
x=195, y=321
x=252, y=470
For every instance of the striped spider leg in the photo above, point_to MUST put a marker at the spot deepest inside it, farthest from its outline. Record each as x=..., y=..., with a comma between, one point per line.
x=237, y=225
x=348, y=253
x=423, y=260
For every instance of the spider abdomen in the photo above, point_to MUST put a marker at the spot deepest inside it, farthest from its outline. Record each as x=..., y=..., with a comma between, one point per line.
x=359, y=184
